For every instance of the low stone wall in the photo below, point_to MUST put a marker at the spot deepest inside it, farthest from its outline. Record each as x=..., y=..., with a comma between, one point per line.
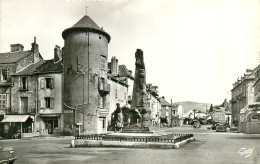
x=94, y=143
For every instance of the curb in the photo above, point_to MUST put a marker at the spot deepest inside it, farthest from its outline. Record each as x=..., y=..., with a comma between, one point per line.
x=118, y=144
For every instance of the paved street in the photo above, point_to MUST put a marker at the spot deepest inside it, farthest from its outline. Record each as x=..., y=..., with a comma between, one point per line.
x=210, y=147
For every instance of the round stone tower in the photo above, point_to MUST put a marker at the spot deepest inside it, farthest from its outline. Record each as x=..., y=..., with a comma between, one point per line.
x=85, y=56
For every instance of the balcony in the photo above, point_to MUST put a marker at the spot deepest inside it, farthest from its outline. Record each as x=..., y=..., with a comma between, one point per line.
x=104, y=87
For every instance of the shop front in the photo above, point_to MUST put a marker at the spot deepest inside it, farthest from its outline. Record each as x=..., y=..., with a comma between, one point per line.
x=17, y=126
x=50, y=124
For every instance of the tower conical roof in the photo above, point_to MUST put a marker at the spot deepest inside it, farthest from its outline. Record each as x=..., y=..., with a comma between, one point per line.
x=85, y=24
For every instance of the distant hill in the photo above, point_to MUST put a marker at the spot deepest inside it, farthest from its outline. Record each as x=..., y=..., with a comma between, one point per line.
x=189, y=105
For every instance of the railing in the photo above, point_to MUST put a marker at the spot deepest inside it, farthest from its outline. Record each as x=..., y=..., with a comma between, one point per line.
x=173, y=138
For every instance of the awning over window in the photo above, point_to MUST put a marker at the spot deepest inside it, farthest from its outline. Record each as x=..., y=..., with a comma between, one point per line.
x=16, y=118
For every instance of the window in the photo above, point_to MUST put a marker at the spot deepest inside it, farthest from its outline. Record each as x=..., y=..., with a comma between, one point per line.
x=103, y=66
x=116, y=93
x=47, y=102
x=23, y=83
x=125, y=95
x=104, y=123
x=2, y=101
x=24, y=105
x=49, y=83
x=102, y=101
x=103, y=62
x=3, y=75
x=69, y=71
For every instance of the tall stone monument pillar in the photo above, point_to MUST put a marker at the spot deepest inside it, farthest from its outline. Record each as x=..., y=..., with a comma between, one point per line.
x=139, y=95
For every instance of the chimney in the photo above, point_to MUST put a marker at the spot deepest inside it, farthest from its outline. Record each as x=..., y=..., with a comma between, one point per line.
x=249, y=70
x=35, y=46
x=16, y=47
x=130, y=72
x=114, y=65
x=57, y=53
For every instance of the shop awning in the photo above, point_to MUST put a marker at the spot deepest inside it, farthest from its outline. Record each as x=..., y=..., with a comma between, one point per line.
x=16, y=118
x=50, y=114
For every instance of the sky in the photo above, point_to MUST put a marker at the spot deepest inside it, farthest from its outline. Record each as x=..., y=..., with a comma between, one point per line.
x=194, y=50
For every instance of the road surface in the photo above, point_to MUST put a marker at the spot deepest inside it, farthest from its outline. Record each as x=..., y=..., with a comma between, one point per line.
x=210, y=147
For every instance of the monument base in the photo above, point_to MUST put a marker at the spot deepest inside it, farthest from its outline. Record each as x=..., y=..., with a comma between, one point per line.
x=135, y=129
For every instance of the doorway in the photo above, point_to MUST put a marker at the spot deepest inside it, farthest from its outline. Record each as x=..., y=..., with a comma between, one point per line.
x=51, y=124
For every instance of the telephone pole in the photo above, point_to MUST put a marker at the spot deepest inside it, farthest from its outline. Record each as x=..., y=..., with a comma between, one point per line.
x=171, y=112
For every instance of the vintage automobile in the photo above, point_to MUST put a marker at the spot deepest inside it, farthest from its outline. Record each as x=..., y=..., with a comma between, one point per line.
x=221, y=128
x=213, y=127
x=7, y=154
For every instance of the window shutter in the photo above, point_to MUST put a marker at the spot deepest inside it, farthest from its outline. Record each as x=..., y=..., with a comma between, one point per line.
x=20, y=83
x=52, y=83
x=99, y=102
x=27, y=83
x=51, y=103
x=42, y=83
x=42, y=103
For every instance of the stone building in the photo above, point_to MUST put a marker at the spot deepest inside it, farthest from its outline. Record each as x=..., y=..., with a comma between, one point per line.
x=256, y=85
x=10, y=63
x=85, y=86
x=165, y=109
x=49, y=76
x=121, y=84
x=21, y=103
x=153, y=104
x=242, y=93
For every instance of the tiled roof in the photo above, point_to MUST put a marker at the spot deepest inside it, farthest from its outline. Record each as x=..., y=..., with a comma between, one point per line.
x=12, y=57
x=163, y=102
x=86, y=22
x=123, y=71
x=30, y=69
x=50, y=67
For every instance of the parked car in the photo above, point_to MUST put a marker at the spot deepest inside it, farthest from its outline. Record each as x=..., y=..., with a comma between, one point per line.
x=221, y=128
x=7, y=154
x=213, y=127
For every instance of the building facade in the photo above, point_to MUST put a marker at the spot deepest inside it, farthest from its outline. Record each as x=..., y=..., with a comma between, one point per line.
x=20, y=107
x=153, y=104
x=242, y=94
